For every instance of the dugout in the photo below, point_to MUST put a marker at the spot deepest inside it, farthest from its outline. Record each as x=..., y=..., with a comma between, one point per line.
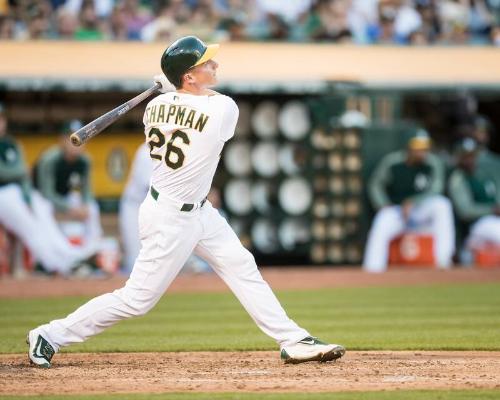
x=314, y=121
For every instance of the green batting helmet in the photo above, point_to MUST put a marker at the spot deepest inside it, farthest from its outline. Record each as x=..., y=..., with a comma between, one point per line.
x=185, y=53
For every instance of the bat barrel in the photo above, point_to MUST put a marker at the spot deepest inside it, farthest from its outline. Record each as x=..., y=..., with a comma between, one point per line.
x=75, y=140
x=98, y=125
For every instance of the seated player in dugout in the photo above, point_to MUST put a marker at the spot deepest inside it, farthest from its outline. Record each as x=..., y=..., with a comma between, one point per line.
x=406, y=190
x=475, y=194
x=62, y=175
x=487, y=160
x=25, y=213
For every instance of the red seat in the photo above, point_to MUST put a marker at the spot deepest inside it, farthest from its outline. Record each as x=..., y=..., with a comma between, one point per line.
x=487, y=255
x=412, y=250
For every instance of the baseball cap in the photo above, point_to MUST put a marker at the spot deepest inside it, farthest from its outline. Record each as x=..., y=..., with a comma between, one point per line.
x=420, y=140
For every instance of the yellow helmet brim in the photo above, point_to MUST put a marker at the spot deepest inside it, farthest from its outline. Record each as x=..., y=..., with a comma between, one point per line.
x=210, y=53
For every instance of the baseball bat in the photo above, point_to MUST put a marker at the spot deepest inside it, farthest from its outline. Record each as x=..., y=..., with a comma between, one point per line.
x=95, y=127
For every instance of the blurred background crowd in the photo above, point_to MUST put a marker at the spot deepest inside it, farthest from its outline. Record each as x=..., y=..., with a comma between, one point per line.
x=402, y=22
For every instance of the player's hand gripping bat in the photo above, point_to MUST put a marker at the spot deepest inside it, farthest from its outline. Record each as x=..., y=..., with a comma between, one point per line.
x=95, y=127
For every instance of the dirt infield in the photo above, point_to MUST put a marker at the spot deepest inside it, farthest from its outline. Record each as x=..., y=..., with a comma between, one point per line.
x=248, y=372
x=278, y=278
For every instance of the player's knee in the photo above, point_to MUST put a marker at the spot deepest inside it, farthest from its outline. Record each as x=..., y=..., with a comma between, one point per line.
x=441, y=204
x=139, y=302
x=385, y=218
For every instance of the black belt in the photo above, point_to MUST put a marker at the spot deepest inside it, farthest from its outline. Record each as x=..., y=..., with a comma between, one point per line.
x=185, y=207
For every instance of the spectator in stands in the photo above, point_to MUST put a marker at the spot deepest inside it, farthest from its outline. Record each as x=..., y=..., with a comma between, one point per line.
x=136, y=17
x=454, y=17
x=117, y=28
x=24, y=212
x=430, y=29
x=362, y=21
x=90, y=28
x=494, y=36
x=329, y=21
x=66, y=25
x=480, y=22
x=475, y=194
x=62, y=175
x=162, y=28
x=7, y=25
x=102, y=8
x=405, y=189
x=202, y=22
x=396, y=22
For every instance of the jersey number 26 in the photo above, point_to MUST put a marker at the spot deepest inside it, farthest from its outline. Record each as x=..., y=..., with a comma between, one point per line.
x=174, y=157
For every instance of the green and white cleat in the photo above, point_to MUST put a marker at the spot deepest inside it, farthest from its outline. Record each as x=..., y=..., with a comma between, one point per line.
x=311, y=349
x=40, y=351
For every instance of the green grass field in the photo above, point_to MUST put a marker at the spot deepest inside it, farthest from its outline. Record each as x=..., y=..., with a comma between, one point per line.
x=450, y=317
x=441, y=317
x=400, y=395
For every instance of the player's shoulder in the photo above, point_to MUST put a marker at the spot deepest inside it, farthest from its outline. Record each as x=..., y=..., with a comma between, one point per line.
x=394, y=157
x=225, y=101
x=52, y=154
x=222, y=98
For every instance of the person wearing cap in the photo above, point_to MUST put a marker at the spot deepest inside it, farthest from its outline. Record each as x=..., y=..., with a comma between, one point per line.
x=487, y=160
x=475, y=194
x=28, y=215
x=135, y=192
x=62, y=175
x=186, y=131
x=406, y=190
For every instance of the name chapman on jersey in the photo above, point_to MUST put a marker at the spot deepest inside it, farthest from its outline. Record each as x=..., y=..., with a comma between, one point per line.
x=180, y=115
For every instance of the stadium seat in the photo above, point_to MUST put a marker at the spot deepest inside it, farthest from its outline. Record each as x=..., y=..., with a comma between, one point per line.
x=487, y=256
x=412, y=250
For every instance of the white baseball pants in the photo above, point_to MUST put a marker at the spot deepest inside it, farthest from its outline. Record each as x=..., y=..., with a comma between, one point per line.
x=434, y=213
x=168, y=236
x=38, y=230
x=486, y=229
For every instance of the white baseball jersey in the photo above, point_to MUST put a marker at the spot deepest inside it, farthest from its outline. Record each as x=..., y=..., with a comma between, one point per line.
x=186, y=134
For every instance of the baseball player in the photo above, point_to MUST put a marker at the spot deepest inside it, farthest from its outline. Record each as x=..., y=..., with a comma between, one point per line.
x=62, y=175
x=185, y=131
x=475, y=195
x=406, y=190
x=28, y=215
x=133, y=196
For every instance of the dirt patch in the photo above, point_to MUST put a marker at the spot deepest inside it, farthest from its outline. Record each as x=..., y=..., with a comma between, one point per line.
x=248, y=372
x=278, y=278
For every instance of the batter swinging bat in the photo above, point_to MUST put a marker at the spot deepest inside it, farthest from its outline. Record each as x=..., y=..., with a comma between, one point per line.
x=95, y=127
